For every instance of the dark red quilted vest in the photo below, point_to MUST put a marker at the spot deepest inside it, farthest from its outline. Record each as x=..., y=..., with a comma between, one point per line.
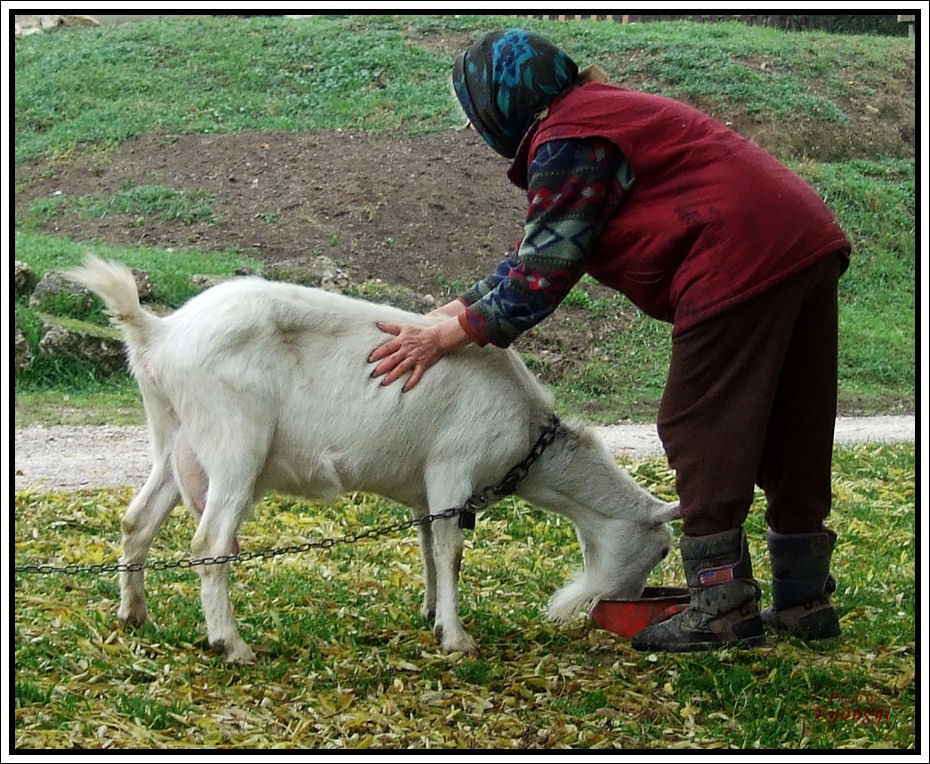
x=712, y=220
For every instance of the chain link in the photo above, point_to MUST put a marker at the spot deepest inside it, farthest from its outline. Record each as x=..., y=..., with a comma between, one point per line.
x=478, y=501
x=491, y=494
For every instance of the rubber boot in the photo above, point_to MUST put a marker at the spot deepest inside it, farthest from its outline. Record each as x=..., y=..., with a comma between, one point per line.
x=723, y=610
x=802, y=585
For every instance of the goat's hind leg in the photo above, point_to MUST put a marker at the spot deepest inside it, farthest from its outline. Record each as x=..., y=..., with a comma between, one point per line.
x=192, y=482
x=145, y=515
x=231, y=475
x=226, y=507
x=428, y=610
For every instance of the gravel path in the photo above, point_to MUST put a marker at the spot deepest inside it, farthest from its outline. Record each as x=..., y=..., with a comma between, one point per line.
x=53, y=458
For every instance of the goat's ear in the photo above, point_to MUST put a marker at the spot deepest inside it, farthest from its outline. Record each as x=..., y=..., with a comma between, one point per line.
x=669, y=512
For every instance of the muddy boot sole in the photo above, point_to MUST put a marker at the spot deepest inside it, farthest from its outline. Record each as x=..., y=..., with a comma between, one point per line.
x=815, y=622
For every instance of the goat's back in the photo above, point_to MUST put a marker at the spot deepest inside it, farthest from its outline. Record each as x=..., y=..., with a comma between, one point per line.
x=292, y=361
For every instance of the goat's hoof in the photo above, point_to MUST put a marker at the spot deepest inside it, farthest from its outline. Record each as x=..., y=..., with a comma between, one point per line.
x=427, y=613
x=134, y=619
x=242, y=657
x=235, y=652
x=460, y=644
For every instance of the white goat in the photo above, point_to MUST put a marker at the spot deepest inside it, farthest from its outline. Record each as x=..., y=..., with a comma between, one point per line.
x=255, y=385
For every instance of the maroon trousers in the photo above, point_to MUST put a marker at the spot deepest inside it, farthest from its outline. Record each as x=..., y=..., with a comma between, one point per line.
x=751, y=399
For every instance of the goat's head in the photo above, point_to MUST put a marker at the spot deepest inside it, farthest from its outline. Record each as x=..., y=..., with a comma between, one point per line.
x=618, y=559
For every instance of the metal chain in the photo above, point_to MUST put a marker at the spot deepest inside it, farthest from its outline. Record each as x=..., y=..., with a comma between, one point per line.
x=490, y=494
x=478, y=501
x=265, y=554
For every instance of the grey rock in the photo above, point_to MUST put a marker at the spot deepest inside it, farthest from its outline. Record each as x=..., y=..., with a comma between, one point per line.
x=53, y=284
x=143, y=284
x=99, y=345
x=24, y=279
x=204, y=281
x=313, y=271
x=396, y=295
x=25, y=25
x=22, y=352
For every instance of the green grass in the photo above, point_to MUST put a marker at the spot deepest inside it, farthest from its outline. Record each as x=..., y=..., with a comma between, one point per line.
x=723, y=66
x=54, y=377
x=169, y=269
x=345, y=661
x=875, y=202
x=626, y=379
x=157, y=202
x=111, y=401
x=103, y=86
x=805, y=75
x=94, y=88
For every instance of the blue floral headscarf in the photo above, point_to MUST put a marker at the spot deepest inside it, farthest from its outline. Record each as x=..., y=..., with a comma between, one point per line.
x=505, y=79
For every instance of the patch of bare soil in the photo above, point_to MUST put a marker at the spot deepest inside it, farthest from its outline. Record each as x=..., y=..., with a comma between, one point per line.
x=408, y=211
x=432, y=213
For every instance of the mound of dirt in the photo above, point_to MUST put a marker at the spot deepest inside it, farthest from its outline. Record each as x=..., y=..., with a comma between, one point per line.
x=419, y=212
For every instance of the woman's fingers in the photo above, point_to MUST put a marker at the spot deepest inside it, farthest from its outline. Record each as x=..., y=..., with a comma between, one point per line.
x=394, y=355
x=399, y=370
x=414, y=378
x=388, y=348
x=413, y=351
x=387, y=365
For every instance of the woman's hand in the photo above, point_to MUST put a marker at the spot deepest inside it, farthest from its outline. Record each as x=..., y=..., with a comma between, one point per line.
x=414, y=349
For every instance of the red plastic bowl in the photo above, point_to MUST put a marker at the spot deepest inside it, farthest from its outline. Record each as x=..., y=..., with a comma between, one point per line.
x=626, y=617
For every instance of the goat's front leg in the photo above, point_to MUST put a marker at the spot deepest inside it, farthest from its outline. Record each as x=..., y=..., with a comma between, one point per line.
x=448, y=543
x=145, y=515
x=214, y=536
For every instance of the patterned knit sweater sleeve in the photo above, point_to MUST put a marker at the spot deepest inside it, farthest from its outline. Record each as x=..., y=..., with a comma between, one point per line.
x=574, y=188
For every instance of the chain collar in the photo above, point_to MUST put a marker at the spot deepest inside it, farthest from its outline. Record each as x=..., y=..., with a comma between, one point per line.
x=491, y=494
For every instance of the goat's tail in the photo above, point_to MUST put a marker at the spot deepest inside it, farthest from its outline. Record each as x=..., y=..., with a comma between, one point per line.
x=116, y=286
